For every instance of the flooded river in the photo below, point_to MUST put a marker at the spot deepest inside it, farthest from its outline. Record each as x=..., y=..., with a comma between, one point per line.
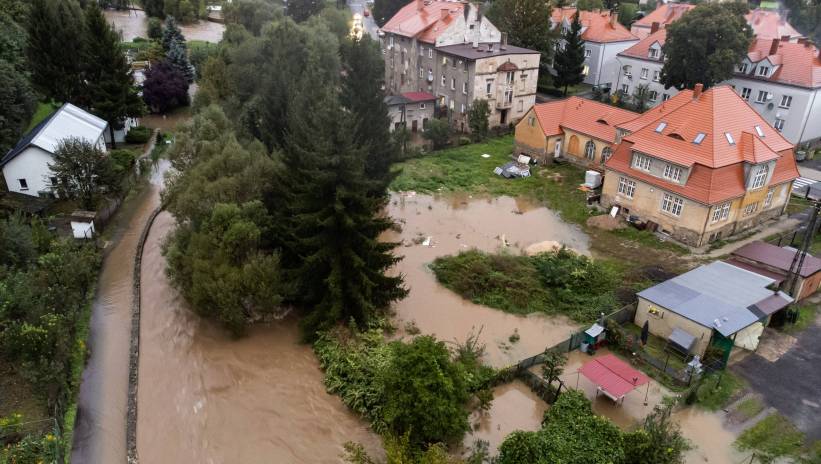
x=133, y=23
x=457, y=223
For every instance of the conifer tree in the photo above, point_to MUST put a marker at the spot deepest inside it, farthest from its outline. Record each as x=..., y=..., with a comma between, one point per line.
x=569, y=62
x=332, y=251
x=171, y=33
x=178, y=56
x=110, y=89
x=56, y=34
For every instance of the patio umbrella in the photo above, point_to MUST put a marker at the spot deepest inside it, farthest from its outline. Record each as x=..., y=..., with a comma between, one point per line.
x=645, y=332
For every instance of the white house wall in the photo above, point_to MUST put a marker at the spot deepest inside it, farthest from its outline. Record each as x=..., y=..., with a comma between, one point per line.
x=602, y=63
x=636, y=65
x=31, y=165
x=524, y=91
x=459, y=32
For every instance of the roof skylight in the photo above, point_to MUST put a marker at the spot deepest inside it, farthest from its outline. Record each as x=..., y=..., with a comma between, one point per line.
x=759, y=131
x=661, y=126
x=730, y=139
x=699, y=138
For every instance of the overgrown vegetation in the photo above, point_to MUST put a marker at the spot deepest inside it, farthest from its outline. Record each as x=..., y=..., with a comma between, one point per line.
x=772, y=438
x=716, y=390
x=559, y=282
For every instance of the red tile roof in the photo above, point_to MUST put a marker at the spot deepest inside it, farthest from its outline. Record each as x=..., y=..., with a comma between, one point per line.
x=424, y=20
x=777, y=257
x=588, y=117
x=642, y=48
x=717, y=165
x=418, y=96
x=664, y=14
x=799, y=63
x=769, y=24
x=596, y=25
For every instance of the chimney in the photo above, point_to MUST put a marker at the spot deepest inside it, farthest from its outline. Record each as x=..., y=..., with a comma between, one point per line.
x=774, y=47
x=802, y=40
x=697, y=91
x=655, y=27
x=785, y=38
x=503, y=45
x=445, y=12
x=614, y=17
x=476, y=41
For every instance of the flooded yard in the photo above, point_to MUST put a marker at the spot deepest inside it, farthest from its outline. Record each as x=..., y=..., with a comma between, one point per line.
x=205, y=397
x=134, y=23
x=456, y=223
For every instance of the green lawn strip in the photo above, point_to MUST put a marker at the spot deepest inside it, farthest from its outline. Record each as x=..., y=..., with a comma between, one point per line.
x=774, y=436
x=749, y=408
x=656, y=347
x=44, y=110
x=78, y=362
x=806, y=317
x=717, y=389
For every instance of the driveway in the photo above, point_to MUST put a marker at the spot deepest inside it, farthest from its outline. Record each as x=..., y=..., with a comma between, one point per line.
x=792, y=384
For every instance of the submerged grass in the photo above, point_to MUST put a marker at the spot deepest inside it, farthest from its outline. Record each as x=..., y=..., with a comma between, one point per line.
x=774, y=436
x=716, y=390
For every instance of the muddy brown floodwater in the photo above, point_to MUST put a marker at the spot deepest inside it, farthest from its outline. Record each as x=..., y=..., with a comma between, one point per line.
x=133, y=23
x=459, y=222
x=207, y=398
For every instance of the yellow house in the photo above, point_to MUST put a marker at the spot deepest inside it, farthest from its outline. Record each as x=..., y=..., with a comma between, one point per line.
x=579, y=130
x=700, y=167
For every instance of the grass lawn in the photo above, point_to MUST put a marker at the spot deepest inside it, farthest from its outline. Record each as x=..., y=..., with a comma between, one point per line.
x=43, y=111
x=463, y=169
x=775, y=436
x=717, y=390
x=749, y=408
x=806, y=316
x=656, y=347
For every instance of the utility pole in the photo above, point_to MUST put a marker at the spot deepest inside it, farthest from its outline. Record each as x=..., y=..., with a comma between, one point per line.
x=791, y=281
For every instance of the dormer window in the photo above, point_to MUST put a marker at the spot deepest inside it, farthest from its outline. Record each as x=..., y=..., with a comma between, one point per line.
x=672, y=173
x=653, y=53
x=742, y=68
x=642, y=162
x=760, y=176
x=763, y=71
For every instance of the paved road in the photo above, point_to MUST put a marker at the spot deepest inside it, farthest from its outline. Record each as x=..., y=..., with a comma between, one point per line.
x=791, y=384
x=358, y=6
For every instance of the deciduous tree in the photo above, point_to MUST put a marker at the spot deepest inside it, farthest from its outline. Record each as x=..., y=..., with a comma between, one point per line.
x=252, y=14
x=438, y=132
x=17, y=104
x=301, y=10
x=569, y=61
x=12, y=42
x=478, y=118
x=527, y=23
x=165, y=88
x=83, y=171
x=705, y=45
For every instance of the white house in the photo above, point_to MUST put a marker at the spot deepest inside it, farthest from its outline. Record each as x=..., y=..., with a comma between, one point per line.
x=640, y=65
x=781, y=80
x=26, y=166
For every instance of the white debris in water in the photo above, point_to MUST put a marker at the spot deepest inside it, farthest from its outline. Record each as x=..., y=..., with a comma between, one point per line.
x=427, y=241
x=485, y=155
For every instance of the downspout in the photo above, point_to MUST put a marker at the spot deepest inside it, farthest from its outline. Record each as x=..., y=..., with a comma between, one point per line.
x=807, y=119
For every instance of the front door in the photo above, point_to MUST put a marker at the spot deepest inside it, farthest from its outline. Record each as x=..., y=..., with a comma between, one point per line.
x=413, y=125
x=503, y=117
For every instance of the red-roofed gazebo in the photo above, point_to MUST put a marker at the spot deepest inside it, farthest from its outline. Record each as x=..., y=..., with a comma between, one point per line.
x=613, y=377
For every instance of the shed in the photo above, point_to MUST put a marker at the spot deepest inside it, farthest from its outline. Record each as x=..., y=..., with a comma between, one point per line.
x=82, y=224
x=773, y=261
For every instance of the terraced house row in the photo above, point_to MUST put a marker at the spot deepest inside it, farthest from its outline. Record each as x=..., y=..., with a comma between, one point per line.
x=701, y=166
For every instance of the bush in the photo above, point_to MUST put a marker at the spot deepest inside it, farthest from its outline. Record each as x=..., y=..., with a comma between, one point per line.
x=154, y=28
x=138, y=39
x=464, y=140
x=123, y=160
x=138, y=134
x=438, y=132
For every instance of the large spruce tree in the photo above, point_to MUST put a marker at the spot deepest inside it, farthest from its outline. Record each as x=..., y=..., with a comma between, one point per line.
x=171, y=33
x=110, y=90
x=569, y=62
x=332, y=249
x=56, y=31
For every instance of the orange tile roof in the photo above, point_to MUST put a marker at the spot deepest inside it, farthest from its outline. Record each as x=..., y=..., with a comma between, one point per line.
x=664, y=14
x=588, y=117
x=800, y=63
x=642, y=48
x=596, y=25
x=717, y=166
x=770, y=24
x=424, y=20
x=657, y=112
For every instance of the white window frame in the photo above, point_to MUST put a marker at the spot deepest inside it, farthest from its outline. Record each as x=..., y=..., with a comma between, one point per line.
x=645, y=73
x=746, y=92
x=421, y=106
x=627, y=187
x=750, y=209
x=465, y=88
x=742, y=68
x=642, y=162
x=786, y=101
x=722, y=212
x=24, y=184
x=665, y=97
x=430, y=52
x=625, y=89
x=444, y=80
x=452, y=83
x=763, y=71
x=778, y=124
x=762, y=97
x=654, y=95
x=656, y=76
x=653, y=53
x=768, y=200
x=672, y=204
x=588, y=52
x=421, y=51
x=590, y=150
x=672, y=173
x=760, y=177
x=509, y=77
x=606, y=153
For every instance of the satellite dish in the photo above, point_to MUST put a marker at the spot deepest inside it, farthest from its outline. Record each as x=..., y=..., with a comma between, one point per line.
x=770, y=106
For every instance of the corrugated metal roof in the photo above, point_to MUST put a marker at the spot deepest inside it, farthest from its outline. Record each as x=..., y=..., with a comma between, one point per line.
x=777, y=257
x=682, y=338
x=613, y=375
x=715, y=295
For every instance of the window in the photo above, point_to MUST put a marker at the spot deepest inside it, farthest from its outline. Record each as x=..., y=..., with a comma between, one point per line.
x=672, y=172
x=665, y=97
x=390, y=42
x=763, y=71
x=421, y=106
x=489, y=86
x=465, y=88
x=662, y=125
x=769, y=200
x=625, y=89
x=421, y=51
x=521, y=106
x=750, y=209
x=53, y=181
x=508, y=96
x=745, y=93
x=605, y=154
x=463, y=108
x=421, y=72
x=23, y=184
x=443, y=80
x=654, y=95
x=509, y=77
x=699, y=138
x=644, y=73
x=531, y=121
x=761, y=176
x=654, y=53
x=523, y=81
x=763, y=96
x=730, y=138
x=721, y=212
x=590, y=150
x=642, y=162
x=779, y=124
x=627, y=187
x=430, y=52
x=444, y=61
x=742, y=68
x=587, y=52
x=656, y=76
x=759, y=131
x=452, y=84
x=672, y=205
x=786, y=101
x=585, y=70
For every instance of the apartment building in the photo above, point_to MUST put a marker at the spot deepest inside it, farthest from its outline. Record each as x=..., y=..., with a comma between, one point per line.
x=700, y=167
x=451, y=50
x=604, y=38
x=781, y=80
x=663, y=15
